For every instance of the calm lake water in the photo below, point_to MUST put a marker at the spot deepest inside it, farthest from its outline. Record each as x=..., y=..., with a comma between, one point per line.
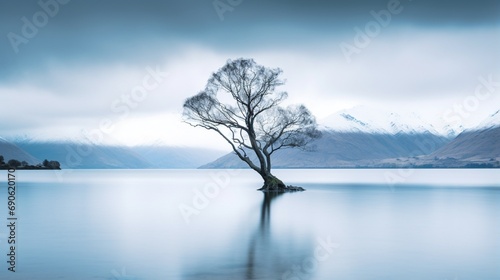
x=213, y=224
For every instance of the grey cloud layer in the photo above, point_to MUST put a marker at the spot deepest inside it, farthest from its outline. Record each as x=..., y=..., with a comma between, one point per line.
x=134, y=31
x=92, y=52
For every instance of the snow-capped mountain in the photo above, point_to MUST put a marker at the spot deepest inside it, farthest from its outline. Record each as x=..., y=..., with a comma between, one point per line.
x=370, y=120
x=492, y=121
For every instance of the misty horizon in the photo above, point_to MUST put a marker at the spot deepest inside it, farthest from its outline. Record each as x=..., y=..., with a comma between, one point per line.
x=73, y=68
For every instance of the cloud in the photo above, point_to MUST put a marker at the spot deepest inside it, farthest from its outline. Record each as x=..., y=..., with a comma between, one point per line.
x=133, y=32
x=68, y=99
x=418, y=63
x=93, y=53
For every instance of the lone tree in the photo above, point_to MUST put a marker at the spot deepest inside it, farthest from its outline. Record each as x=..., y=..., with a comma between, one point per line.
x=241, y=104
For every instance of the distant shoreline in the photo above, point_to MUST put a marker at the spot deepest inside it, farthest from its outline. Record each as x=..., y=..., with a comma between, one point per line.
x=16, y=164
x=29, y=168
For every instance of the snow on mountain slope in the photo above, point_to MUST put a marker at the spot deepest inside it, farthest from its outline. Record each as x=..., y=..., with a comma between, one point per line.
x=370, y=120
x=492, y=121
x=346, y=122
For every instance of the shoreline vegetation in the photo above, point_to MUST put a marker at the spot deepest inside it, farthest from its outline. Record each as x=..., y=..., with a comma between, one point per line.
x=16, y=164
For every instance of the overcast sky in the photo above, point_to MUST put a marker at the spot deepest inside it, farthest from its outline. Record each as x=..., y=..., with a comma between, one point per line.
x=75, y=67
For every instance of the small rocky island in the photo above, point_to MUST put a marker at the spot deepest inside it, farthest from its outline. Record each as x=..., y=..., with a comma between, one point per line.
x=14, y=163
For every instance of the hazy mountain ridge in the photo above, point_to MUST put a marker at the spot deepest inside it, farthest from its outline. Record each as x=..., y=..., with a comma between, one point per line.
x=176, y=157
x=11, y=151
x=89, y=156
x=81, y=155
x=346, y=149
x=357, y=139
x=472, y=147
x=374, y=139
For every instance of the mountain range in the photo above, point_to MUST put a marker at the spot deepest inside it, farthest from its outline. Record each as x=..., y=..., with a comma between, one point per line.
x=360, y=137
x=80, y=155
x=369, y=138
x=11, y=151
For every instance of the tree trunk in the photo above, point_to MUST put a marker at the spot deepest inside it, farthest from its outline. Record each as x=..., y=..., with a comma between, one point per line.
x=273, y=184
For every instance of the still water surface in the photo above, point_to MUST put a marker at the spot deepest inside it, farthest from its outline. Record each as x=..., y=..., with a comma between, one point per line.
x=213, y=224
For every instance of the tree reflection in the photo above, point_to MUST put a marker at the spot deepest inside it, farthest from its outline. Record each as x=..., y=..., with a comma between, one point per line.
x=269, y=255
x=261, y=258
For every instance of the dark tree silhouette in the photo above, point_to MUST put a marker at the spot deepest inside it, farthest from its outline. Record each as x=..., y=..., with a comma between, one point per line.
x=14, y=163
x=241, y=104
x=54, y=164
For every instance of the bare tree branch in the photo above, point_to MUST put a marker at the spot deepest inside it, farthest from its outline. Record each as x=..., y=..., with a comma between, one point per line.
x=240, y=103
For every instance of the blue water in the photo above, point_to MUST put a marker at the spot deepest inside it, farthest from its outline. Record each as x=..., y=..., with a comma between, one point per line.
x=213, y=224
